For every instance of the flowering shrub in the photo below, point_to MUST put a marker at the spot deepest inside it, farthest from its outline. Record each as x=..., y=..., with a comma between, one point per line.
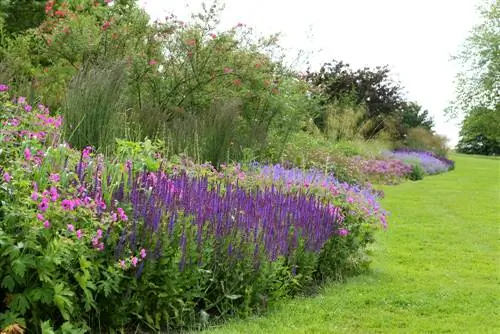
x=430, y=162
x=91, y=244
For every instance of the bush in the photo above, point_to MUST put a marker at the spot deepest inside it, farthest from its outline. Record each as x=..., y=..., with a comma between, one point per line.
x=430, y=162
x=423, y=140
x=417, y=172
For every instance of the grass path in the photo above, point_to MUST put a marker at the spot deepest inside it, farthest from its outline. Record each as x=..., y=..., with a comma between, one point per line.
x=436, y=270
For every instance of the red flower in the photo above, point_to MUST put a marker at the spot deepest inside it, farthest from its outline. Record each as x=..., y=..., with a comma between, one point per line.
x=214, y=36
x=106, y=25
x=60, y=13
x=237, y=82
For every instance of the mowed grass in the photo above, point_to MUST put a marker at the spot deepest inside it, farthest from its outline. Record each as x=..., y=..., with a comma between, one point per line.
x=436, y=270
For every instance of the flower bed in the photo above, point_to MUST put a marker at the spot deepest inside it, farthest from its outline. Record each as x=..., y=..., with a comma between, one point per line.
x=90, y=244
x=430, y=162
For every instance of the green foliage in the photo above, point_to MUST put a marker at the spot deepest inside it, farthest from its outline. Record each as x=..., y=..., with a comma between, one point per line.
x=417, y=172
x=478, y=83
x=385, y=108
x=480, y=133
x=422, y=139
x=93, y=108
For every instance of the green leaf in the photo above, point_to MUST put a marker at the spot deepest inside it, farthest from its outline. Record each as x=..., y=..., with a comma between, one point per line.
x=9, y=283
x=62, y=299
x=47, y=328
x=43, y=295
x=19, y=304
x=19, y=267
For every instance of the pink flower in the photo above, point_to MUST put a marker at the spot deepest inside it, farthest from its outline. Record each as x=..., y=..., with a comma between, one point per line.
x=153, y=62
x=143, y=253
x=46, y=224
x=214, y=36
x=122, y=264
x=343, y=232
x=134, y=261
x=21, y=100
x=106, y=25
x=6, y=177
x=27, y=154
x=99, y=233
x=54, y=195
x=44, y=205
x=79, y=234
x=228, y=70
x=121, y=213
x=28, y=108
x=67, y=204
x=34, y=196
x=54, y=177
x=40, y=217
x=350, y=200
x=71, y=228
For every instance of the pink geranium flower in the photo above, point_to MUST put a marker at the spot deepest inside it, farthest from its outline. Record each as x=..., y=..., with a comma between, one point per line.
x=6, y=177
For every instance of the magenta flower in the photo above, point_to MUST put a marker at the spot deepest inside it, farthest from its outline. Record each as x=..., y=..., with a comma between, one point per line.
x=99, y=234
x=54, y=195
x=86, y=152
x=40, y=217
x=34, y=196
x=6, y=177
x=27, y=154
x=44, y=205
x=134, y=261
x=121, y=213
x=343, y=232
x=67, y=204
x=79, y=234
x=71, y=228
x=28, y=108
x=143, y=253
x=21, y=100
x=4, y=88
x=54, y=177
x=46, y=224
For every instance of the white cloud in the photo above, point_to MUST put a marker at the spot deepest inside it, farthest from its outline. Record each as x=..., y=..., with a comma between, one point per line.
x=416, y=38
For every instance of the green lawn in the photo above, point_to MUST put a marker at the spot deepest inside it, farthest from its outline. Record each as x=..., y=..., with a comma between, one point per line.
x=436, y=270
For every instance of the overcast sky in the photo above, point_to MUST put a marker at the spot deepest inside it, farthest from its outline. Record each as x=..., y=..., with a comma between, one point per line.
x=416, y=38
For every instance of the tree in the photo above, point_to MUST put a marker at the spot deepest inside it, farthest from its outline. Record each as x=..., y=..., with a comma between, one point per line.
x=478, y=85
x=386, y=107
x=480, y=133
x=20, y=15
x=412, y=115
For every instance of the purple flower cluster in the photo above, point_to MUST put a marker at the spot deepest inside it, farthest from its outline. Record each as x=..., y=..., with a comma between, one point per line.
x=431, y=163
x=383, y=170
x=270, y=220
x=364, y=200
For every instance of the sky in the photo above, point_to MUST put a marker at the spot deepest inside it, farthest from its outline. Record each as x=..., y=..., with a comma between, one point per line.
x=415, y=38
